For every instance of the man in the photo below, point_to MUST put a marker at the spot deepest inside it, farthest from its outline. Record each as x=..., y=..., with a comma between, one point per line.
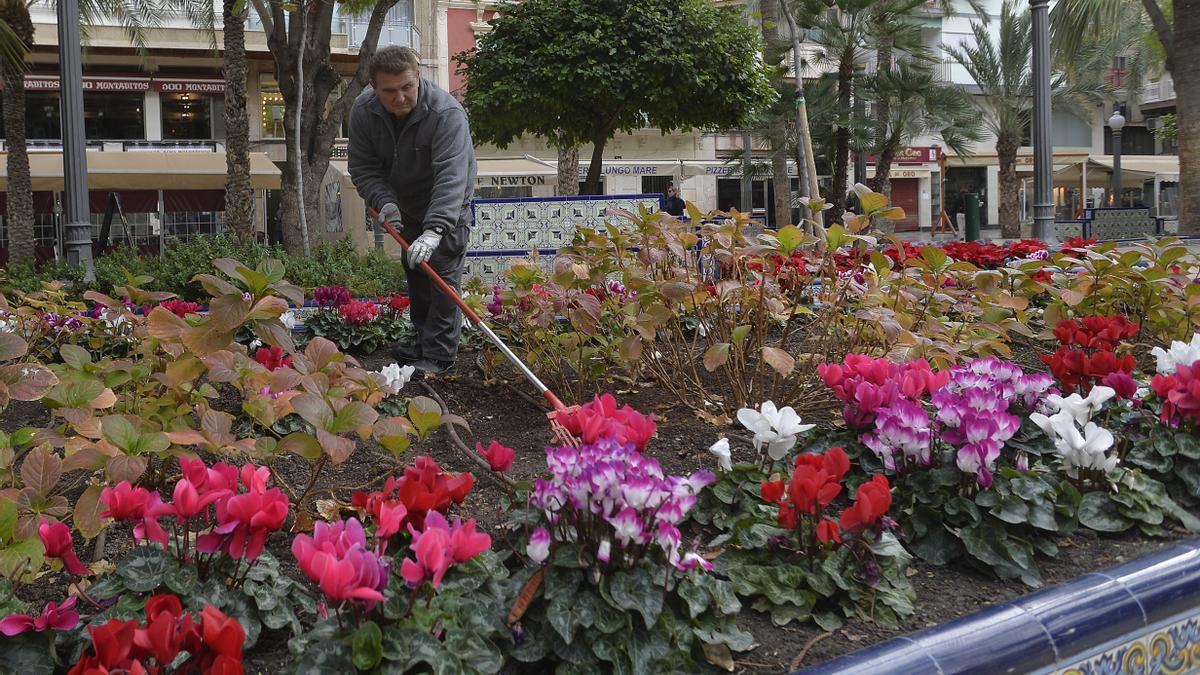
x=673, y=204
x=411, y=158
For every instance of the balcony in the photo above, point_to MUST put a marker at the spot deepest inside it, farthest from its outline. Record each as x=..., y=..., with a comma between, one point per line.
x=402, y=33
x=1158, y=92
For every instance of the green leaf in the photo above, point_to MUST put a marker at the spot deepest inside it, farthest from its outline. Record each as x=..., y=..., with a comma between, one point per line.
x=790, y=238
x=1097, y=511
x=182, y=579
x=367, y=645
x=26, y=654
x=302, y=444
x=635, y=590
x=144, y=569
x=716, y=356
x=120, y=432
x=74, y=356
x=425, y=414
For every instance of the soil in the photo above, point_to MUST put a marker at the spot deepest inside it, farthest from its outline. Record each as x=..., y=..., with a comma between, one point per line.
x=505, y=411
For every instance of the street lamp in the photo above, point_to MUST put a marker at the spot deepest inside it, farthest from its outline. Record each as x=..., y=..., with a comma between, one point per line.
x=1043, y=144
x=1116, y=123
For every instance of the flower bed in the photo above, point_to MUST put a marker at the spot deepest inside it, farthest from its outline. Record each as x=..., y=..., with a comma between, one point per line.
x=300, y=509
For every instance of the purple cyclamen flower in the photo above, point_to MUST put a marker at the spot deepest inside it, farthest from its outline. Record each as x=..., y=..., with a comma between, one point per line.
x=901, y=427
x=979, y=457
x=627, y=527
x=539, y=545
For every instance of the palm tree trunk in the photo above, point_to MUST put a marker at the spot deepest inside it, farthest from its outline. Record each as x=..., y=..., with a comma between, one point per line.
x=882, y=183
x=1187, y=105
x=568, y=171
x=239, y=195
x=21, y=242
x=1010, y=221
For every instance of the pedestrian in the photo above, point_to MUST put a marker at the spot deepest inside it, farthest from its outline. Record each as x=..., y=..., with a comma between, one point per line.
x=412, y=159
x=673, y=204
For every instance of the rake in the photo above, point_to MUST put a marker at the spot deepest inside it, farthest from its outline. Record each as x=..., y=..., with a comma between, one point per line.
x=561, y=410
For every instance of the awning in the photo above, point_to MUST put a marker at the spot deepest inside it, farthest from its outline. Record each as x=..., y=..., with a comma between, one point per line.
x=1135, y=167
x=634, y=167
x=147, y=171
x=514, y=166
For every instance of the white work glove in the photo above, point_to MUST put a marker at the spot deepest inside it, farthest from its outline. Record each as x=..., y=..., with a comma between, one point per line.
x=421, y=249
x=390, y=213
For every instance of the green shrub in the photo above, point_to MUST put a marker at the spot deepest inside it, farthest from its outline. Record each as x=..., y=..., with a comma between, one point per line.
x=338, y=264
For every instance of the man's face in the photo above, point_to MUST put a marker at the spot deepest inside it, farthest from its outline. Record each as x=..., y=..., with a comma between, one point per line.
x=397, y=93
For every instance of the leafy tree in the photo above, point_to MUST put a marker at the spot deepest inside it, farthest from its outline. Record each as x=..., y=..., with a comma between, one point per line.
x=578, y=71
x=1001, y=68
x=298, y=35
x=1177, y=25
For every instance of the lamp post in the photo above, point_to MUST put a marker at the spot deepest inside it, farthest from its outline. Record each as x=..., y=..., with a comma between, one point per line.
x=75, y=184
x=1043, y=158
x=1116, y=123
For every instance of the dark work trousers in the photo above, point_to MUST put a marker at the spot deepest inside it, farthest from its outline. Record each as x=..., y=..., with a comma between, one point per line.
x=435, y=316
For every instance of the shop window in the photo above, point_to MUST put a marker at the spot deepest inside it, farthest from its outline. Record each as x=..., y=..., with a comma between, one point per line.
x=113, y=116
x=272, y=113
x=506, y=192
x=188, y=116
x=41, y=116
x=656, y=184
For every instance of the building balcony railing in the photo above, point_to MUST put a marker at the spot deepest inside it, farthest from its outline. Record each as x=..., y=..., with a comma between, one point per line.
x=1158, y=90
x=401, y=33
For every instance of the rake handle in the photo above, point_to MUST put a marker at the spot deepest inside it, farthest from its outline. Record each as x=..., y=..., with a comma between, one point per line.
x=474, y=318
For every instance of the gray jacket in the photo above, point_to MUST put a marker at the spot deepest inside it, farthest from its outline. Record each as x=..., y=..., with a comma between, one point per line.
x=428, y=171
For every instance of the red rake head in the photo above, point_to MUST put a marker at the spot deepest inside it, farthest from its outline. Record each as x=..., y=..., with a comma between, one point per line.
x=561, y=432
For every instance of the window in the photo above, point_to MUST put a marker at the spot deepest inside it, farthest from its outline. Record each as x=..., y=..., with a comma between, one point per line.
x=188, y=116
x=272, y=112
x=41, y=116
x=656, y=184
x=113, y=116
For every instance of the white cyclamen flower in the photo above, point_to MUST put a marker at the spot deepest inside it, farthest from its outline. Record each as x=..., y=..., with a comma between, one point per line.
x=397, y=376
x=1086, y=449
x=776, y=428
x=289, y=319
x=1179, y=354
x=721, y=450
x=255, y=344
x=1081, y=409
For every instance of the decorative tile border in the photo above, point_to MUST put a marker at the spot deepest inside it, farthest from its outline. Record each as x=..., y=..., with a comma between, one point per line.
x=506, y=230
x=1139, y=617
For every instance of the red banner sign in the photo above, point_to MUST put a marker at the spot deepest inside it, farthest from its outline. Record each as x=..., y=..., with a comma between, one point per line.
x=910, y=156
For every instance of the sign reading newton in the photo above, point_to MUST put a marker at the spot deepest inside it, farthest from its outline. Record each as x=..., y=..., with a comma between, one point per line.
x=511, y=181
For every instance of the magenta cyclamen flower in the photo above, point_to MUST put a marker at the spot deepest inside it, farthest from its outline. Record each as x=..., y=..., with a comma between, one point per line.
x=620, y=498
x=55, y=617
x=903, y=428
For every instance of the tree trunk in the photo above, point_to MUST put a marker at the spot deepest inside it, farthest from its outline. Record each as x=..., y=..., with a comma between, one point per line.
x=882, y=183
x=841, y=155
x=1187, y=106
x=1010, y=206
x=781, y=184
x=21, y=241
x=806, y=164
x=568, y=171
x=239, y=195
x=321, y=120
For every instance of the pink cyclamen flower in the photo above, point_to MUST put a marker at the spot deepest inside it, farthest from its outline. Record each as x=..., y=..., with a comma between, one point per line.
x=56, y=539
x=336, y=558
x=432, y=558
x=53, y=616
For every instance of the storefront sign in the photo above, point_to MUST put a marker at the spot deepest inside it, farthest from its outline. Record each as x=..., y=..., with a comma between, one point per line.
x=511, y=181
x=190, y=86
x=107, y=84
x=130, y=84
x=623, y=170
x=910, y=173
x=910, y=156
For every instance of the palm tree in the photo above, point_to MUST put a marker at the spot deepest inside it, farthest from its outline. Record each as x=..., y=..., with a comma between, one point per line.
x=14, y=15
x=917, y=106
x=1001, y=69
x=16, y=39
x=1176, y=24
x=239, y=195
